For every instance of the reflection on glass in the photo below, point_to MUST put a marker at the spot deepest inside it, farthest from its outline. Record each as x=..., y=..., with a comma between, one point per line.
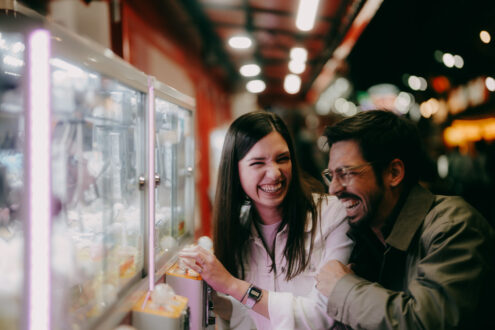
x=165, y=159
x=185, y=163
x=11, y=178
x=174, y=153
x=95, y=163
x=190, y=168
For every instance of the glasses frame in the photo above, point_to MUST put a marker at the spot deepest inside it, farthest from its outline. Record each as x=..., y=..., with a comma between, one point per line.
x=343, y=174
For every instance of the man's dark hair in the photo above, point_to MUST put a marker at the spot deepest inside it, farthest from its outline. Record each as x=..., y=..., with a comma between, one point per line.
x=382, y=136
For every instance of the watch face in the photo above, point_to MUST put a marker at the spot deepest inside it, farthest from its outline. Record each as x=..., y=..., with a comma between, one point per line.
x=255, y=293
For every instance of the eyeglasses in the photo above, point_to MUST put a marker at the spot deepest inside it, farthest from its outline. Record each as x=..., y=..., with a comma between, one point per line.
x=343, y=174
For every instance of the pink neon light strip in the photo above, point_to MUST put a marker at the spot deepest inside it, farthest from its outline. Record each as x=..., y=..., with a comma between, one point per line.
x=151, y=184
x=39, y=181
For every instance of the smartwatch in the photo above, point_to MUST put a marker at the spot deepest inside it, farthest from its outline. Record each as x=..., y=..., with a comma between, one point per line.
x=253, y=296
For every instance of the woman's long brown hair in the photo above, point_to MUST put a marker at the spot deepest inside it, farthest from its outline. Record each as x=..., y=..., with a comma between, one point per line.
x=231, y=236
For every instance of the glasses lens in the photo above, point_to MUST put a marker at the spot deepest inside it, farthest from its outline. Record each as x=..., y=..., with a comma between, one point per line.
x=327, y=177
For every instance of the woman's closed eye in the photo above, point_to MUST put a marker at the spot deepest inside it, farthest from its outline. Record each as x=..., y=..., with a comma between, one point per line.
x=283, y=158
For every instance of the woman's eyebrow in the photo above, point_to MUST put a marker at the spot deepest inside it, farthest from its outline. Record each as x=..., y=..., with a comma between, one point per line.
x=256, y=158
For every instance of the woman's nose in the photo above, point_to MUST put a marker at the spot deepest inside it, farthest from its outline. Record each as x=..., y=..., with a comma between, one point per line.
x=273, y=171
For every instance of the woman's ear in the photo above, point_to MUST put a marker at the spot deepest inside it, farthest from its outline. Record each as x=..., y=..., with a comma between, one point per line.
x=396, y=172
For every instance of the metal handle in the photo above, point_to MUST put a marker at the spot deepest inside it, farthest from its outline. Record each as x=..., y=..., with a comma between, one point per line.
x=157, y=179
x=142, y=182
x=189, y=171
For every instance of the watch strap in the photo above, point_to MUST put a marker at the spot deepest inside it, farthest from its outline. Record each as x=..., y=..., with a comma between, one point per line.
x=254, y=295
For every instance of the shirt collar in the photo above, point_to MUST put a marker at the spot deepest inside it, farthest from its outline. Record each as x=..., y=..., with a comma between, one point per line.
x=410, y=218
x=254, y=233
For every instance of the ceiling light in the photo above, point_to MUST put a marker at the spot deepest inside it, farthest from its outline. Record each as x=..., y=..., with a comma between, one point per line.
x=250, y=70
x=423, y=84
x=458, y=61
x=342, y=85
x=292, y=83
x=306, y=14
x=414, y=83
x=339, y=104
x=443, y=166
x=417, y=83
x=429, y=108
x=256, y=86
x=299, y=54
x=485, y=37
x=448, y=60
x=403, y=102
x=297, y=67
x=490, y=84
x=240, y=42
x=349, y=109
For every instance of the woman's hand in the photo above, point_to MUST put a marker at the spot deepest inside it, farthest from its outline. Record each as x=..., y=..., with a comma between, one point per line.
x=210, y=268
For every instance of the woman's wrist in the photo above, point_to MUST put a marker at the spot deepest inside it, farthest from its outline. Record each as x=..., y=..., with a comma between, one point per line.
x=238, y=288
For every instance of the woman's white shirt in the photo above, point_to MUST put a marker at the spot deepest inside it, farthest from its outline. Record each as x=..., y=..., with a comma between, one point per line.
x=294, y=304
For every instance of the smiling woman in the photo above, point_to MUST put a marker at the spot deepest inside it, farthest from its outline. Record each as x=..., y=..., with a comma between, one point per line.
x=271, y=233
x=265, y=174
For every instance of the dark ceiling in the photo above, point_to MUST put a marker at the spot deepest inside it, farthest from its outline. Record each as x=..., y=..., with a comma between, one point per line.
x=271, y=23
x=400, y=40
x=403, y=36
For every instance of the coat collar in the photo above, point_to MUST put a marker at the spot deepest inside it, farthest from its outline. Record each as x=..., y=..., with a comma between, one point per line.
x=410, y=218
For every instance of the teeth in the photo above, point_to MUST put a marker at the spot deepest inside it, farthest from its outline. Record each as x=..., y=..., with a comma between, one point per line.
x=269, y=188
x=349, y=204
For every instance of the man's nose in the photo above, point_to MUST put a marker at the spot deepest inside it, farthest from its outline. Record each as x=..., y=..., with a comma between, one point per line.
x=336, y=186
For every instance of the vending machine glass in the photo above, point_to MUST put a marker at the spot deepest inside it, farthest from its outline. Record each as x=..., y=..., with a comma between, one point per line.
x=166, y=130
x=98, y=155
x=12, y=137
x=185, y=177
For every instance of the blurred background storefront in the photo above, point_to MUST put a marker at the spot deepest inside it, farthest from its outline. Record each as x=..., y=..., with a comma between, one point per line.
x=430, y=61
x=141, y=93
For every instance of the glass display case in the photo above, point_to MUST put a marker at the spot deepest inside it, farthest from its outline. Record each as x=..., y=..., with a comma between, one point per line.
x=174, y=167
x=98, y=153
x=12, y=138
x=185, y=173
x=97, y=107
x=166, y=128
x=99, y=255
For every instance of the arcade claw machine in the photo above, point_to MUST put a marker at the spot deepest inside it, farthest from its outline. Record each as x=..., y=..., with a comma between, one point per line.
x=13, y=98
x=174, y=167
x=72, y=149
x=98, y=154
x=96, y=178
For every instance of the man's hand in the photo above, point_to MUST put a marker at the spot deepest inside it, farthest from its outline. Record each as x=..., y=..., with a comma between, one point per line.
x=221, y=306
x=329, y=275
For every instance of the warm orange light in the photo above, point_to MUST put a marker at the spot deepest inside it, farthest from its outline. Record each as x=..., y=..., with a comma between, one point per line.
x=453, y=136
x=489, y=130
x=485, y=37
x=440, y=84
x=464, y=131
